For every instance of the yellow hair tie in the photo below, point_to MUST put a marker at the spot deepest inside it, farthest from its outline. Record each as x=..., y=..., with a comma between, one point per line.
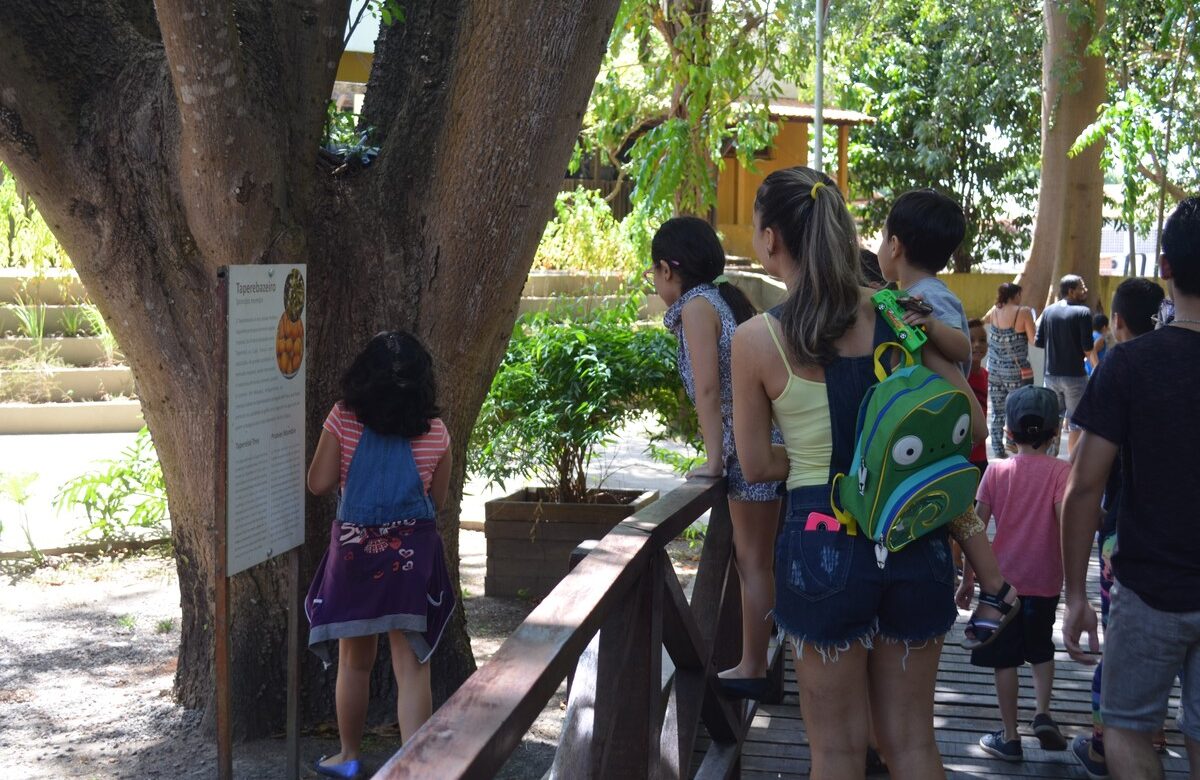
x=813, y=192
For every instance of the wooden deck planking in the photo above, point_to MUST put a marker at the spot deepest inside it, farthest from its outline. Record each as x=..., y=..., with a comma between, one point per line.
x=776, y=747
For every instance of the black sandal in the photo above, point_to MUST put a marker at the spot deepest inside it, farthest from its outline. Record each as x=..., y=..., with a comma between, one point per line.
x=985, y=631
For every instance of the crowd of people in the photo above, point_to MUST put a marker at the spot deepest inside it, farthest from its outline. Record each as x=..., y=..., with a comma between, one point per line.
x=778, y=397
x=867, y=624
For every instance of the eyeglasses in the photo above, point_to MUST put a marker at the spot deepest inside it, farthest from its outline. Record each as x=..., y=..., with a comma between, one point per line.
x=648, y=274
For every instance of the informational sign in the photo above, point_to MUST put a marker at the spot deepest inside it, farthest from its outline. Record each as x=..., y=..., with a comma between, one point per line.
x=265, y=415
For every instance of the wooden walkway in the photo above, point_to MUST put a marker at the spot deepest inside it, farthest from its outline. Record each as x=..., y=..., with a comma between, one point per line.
x=776, y=747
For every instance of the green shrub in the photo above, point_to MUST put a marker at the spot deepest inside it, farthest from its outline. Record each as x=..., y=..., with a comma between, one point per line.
x=124, y=494
x=564, y=389
x=584, y=236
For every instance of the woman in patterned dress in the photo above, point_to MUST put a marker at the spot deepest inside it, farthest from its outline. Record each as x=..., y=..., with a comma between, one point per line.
x=1010, y=332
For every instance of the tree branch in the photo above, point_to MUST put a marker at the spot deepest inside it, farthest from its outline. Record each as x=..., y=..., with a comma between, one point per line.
x=228, y=182
x=308, y=37
x=1176, y=192
x=411, y=69
x=56, y=65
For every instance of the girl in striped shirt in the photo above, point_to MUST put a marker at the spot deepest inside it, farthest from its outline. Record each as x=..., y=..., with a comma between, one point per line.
x=386, y=451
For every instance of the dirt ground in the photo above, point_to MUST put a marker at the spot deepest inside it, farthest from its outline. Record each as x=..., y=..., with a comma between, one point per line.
x=87, y=659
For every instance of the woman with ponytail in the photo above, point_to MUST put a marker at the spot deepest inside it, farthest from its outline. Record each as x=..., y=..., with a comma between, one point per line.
x=703, y=312
x=866, y=629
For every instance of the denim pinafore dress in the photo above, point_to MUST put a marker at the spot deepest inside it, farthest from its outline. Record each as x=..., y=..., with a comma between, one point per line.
x=384, y=568
x=832, y=588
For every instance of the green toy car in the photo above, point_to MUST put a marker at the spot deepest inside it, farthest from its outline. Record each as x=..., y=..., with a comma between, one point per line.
x=892, y=305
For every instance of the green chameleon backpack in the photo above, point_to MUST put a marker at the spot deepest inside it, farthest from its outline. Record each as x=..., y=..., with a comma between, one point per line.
x=910, y=472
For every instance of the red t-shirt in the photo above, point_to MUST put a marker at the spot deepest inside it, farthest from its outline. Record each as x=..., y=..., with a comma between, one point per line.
x=1021, y=492
x=427, y=448
x=978, y=380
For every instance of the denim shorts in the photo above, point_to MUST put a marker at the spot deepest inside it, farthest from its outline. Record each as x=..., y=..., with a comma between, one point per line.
x=830, y=589
x=741, y=490
x=1144, y=649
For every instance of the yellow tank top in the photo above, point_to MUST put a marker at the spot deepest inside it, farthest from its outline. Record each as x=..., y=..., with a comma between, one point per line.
x=801, y=413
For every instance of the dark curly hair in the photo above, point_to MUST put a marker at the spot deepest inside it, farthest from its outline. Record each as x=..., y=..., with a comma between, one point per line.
x=390, y=385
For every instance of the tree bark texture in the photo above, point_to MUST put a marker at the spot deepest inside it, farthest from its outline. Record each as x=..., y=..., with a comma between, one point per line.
x=1066, y=233
x=164, y=141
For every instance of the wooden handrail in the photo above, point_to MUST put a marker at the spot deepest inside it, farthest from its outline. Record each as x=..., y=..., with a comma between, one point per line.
x=476, y=729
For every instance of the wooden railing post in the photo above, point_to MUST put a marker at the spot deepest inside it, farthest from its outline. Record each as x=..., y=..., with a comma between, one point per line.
x=611, y=728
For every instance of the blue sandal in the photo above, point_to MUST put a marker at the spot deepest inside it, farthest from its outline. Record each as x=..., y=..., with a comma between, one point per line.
x=347, y=770
x=984, y=632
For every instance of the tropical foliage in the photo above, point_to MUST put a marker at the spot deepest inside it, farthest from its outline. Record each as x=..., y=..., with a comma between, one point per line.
x=1150, y=126
x=955, y=89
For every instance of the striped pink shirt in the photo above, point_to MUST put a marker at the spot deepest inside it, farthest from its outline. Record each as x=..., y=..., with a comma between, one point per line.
x=428, y=448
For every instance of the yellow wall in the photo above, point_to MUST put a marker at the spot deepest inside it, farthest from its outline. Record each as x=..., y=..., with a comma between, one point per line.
x=355, y=66
x=736, y=186
x=978, y=291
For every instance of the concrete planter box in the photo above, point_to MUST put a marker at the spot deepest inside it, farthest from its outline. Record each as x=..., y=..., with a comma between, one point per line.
x=529, y=542
x=54, y=318
x=653, y=307
x=52, y=287
x=74, y=351
x=123, y=416
x=544, y=284
x=56, y=384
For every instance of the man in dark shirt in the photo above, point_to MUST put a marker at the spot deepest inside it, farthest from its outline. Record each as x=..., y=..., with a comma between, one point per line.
x=1065, y=332
x=1142, y=402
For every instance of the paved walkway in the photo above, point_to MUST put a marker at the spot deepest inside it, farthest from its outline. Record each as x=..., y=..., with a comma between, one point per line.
x=55, y=459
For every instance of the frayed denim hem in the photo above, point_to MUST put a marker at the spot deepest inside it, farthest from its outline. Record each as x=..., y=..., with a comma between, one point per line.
x=912, y=644
x=830, y=652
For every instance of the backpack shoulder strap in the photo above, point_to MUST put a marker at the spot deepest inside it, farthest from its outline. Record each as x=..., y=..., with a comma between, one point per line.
x=882, y=370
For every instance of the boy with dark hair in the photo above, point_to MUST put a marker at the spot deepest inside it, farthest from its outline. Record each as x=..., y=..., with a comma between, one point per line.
x=1141, y=403
x=1134, y=305
x=1024, y=493
x=922, y=231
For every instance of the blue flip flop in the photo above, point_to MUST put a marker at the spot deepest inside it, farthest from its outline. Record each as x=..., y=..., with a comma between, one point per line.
x=347, y=770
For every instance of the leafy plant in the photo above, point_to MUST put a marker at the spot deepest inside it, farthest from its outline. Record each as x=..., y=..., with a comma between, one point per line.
x=16, y=488
x=127, y=622
x=684, y=84
x=124, y=494
x=31, y=319
x=344, y=140
x=25, y=239
x=585, y=236
x=73, y=320
x=164, y=626
x=563, y=389
x=99, y=328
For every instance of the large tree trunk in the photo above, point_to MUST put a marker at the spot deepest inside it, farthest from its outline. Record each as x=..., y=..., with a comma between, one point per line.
x=164, y=142
x=1066, y=234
